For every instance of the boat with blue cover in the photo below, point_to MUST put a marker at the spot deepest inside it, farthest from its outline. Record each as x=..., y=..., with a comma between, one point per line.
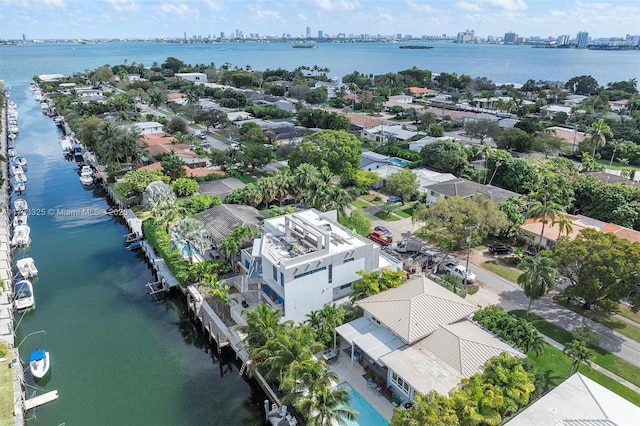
x=39, y=363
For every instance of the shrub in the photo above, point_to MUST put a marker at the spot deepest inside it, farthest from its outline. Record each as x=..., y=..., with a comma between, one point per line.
x=588, y=336
x=183, y=187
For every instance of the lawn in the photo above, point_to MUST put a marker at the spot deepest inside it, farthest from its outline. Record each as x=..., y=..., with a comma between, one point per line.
x=402, y=213
x=501, y=270
x=617, y=166
x=6, y=393
x=247, y=179
x=626, y=312
x=632, y=332
x=373, y=198
x=360, y=204
x=554, y=365
x=603, y=358
x=388, y=217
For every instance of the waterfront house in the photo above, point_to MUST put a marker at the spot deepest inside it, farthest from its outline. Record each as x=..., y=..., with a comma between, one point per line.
x=306, y=259
x=578, y=401
x=196, y=77
x=418, y=337
x=221, y=187
x=464, y=188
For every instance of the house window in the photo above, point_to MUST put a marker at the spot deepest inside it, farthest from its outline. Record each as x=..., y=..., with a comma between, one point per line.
x=351, y=259
x=343, y=286
x=304, y=274
x=330, y=274
x=399, y=381
x=275, y=273
x=282, y=279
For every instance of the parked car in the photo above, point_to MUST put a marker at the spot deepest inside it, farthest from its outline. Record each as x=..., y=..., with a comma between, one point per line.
x=386, y=231
x=461, y=272
x=500, y=249
x=380, y=238
x=394, y=199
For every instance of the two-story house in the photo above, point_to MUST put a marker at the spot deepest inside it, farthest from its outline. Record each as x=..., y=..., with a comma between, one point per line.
x=305, y=260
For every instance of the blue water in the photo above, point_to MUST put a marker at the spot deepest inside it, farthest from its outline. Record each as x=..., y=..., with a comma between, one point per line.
x=399, y=161
x=499, y=63
x=367, y=415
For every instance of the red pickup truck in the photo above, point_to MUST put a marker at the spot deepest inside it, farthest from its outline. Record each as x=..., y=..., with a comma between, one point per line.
x=380, y=238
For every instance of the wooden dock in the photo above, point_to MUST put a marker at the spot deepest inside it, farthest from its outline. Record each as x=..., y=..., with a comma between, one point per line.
x=36, y=401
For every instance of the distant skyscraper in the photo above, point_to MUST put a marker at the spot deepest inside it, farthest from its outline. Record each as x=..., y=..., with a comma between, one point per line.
x=221, y=34
x=510, y=38
x=24, y=38
x=320, y=34
x=563, y=40
x=185, y=35
x=582, y=39
x=308, y=34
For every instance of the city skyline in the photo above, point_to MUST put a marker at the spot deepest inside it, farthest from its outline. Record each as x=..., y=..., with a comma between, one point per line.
x=75, y=19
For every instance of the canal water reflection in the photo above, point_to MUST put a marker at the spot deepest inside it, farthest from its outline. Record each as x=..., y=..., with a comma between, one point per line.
x=117, y=355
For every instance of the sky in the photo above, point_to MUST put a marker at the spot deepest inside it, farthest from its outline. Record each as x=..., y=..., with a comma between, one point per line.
x=92, y=19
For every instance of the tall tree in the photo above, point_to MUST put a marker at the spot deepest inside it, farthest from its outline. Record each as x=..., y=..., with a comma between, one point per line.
x=565, y=224
x=188, y=234
x=538, y=277
x=545, y=211
x=579, y=352
x=599, y=131
x=403, y=183
x=262, y=322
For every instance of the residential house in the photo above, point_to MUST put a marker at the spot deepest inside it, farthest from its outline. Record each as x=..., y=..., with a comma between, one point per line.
x=532, y=230
x=578, y=401
x=305, y=260
x=465, y=188
x=571, y=137
x=383, y=133
x=612, y=178
x=220, y=188
x=359, y=122
x=618, y=105
x=148, y=127
x=416, y=146
x=221, y=219
x=196, y=77
x=177, y=98
x=332, y=87
x=551, y=110
x=424, y=177
x=159, y=143
x=421, y=92
x=89, y=94
x=418, y=336
x=573, y=100
x=371, y=161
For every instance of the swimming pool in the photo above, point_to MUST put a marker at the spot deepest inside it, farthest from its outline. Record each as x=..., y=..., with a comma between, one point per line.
x=367, y=415
x=399, y=161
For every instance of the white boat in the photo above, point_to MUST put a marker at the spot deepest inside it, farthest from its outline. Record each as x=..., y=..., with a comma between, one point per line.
x=11, y=152
x=23, y=298
x=16, y=168
x=27, y=267
x=18, y=186
x=20, y=218
x=20, y=236
x=21, y=177
x=86, y=175
x=20, y=204
x=19, y=160
x=66, y=144
x=39, y=363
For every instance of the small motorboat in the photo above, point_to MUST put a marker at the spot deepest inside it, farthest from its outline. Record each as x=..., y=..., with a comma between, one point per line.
x=27, y=267
x=20, y=218
x=78, y=153
x=136, y=245
x=20, y=236
x=23, y=298
x=11, y=152
x=20, y=204
x=18, y=186
x=39, y=363
x=16, y=169
x=21, y=176
x=20, y=160
x=86, y=175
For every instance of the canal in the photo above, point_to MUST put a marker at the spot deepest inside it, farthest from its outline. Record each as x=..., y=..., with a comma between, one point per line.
x=118, y=356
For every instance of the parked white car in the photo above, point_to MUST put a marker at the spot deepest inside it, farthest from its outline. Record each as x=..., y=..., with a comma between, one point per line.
x=461, y=272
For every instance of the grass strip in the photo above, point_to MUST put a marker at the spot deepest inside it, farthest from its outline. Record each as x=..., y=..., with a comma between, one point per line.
x=622, y=327
x=6, y=393
x=501, y=270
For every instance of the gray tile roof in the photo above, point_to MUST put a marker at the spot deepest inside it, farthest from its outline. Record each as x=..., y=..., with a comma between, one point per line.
x=465, y=188
x=220, y=220
x=221, y=187
x=417, y=308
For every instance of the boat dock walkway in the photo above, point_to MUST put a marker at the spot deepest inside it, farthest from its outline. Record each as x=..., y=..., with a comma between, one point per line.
x=163, y=274
x=36, y=401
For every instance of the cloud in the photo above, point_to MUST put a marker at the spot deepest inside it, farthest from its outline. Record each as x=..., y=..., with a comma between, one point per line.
x=468, y=6
x=180, y=9
x=215, y=6
x=302, y=17
x=56, y=3
x=123, y=5
x=419, y=6
x=337, y=4
x=509, y=4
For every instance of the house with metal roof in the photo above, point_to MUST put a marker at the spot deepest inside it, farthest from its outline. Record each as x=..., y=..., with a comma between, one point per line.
x=418, y=335
x=579, y=401
x=220, y=188
x=464, y=188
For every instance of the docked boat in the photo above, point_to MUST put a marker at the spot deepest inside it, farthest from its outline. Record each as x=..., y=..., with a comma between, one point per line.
x=21, y=236
x=136, y=245
x=23, y=298
x=86, y=175
x=20, y=160
x=78, y=153
x=39, y=363
x=66, y=144
x=18, y=185
x=20, y=204
x=11, y=152
x=21, y=177
x=27, y=267
x=15, y=169
x=20, y=218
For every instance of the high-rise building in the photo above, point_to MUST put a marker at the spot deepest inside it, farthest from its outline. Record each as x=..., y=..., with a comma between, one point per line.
x=320, y=34
x=308, y=34
x=582, y=39
x=562, y=40
x=510, y=38
x=465, y=37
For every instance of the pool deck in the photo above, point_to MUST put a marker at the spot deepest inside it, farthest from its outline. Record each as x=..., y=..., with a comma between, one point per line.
x=354, y=375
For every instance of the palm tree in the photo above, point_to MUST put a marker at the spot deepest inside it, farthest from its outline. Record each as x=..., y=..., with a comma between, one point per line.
x=220, y=291
x=579, y=352
x=599, y=131
x=328, y=406
x=262, y=322
x=565, y=224
x=269, y=187
x=189, y=233
x=538, y=277
x=156, y=98
x=545, y=211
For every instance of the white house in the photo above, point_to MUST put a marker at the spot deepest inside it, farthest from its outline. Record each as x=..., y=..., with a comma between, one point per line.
x=305, y=260
x=416, y=146
x=148, y=127
x=332, y=87
x=465, y=189
x=401, y=99
x=418, y=335
x=383, y=133
x=372, y=161
x=196, y=77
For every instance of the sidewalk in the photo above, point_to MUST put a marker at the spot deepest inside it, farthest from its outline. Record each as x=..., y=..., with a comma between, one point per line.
x=496, y=290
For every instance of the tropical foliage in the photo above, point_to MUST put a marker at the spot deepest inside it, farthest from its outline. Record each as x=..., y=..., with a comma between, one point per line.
x=538, y=277
x=375, y=282
x=517, y=331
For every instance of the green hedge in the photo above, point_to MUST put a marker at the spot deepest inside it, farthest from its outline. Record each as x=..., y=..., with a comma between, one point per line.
x=159, y=239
